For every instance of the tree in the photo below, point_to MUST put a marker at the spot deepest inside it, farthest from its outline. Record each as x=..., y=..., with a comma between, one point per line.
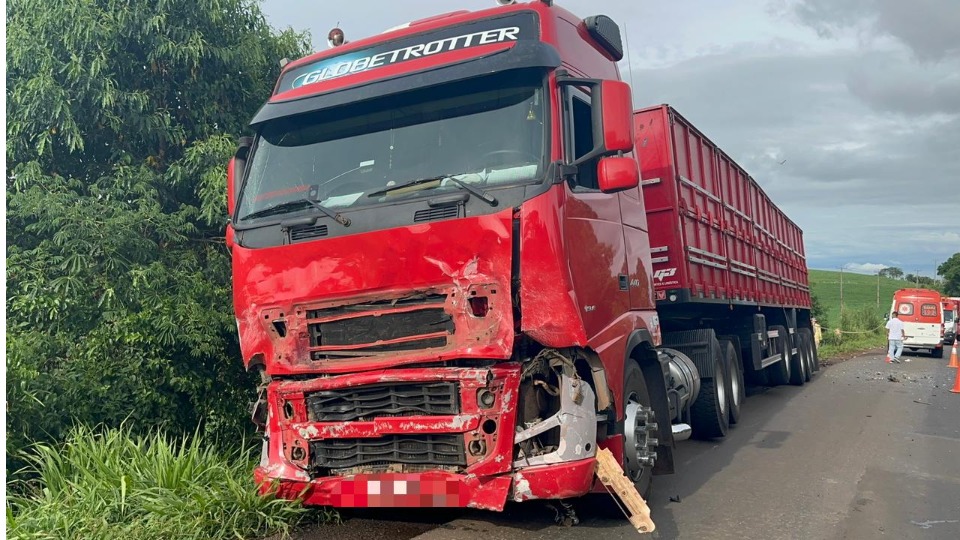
x=892, y=272
x=817, y=311
x=120, y=117
x=950, y=272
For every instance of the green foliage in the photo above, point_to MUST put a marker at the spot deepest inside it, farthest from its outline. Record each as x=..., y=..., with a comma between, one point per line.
x=112, y=484
x=892, y=272
x=950, y=272
x=818, y=312
x=922, y=282
x=121, y=115
x=861, y=328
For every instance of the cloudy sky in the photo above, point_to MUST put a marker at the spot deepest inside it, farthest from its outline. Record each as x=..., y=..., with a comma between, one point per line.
x=861, y=98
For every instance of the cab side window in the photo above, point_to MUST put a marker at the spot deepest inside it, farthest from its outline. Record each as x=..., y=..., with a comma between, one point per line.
x=578, y=137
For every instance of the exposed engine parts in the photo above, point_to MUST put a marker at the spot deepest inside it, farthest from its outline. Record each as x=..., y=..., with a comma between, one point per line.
x=558, y=419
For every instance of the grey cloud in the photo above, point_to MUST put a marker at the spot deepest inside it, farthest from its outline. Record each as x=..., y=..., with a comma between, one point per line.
x=860, y=178
x=928, y=27
x=898, y=86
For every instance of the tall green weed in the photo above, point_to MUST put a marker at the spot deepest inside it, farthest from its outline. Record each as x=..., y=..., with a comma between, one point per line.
x=112, y=484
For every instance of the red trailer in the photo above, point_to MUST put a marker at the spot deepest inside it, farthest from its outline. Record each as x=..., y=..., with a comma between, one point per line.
x=722, y=251
x=716, y=236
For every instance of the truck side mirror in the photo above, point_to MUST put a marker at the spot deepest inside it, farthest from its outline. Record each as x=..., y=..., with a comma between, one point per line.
x=235, y=168
x=611, y=107
x=616, y=111
x=617, y=174
x=231, y=189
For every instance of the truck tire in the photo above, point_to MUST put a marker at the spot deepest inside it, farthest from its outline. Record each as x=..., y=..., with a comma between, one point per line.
x=814, y=355
x=779, y=373
x=806, y=345
x=735, y=386
x=710, y=414
x=938, y=353
x=798, y=362
x=636, y=400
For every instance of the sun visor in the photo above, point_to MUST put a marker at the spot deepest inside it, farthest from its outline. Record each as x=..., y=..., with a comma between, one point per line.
x=525, y=54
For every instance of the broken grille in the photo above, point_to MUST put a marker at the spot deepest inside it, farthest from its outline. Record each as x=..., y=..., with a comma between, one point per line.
x=428, y=449
x=369, y=402
x=418, y=324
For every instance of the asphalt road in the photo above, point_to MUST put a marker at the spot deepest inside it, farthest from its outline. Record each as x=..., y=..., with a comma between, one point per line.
x=851, y=455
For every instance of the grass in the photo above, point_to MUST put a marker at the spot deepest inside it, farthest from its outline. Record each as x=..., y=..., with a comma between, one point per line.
x=861, y=325
x=859, y=292
x=110, y=484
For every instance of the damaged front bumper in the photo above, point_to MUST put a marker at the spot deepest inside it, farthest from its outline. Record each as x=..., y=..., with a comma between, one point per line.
x=422, y=437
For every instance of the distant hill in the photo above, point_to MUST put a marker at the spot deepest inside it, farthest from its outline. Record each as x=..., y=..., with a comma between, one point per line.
x=859, y=290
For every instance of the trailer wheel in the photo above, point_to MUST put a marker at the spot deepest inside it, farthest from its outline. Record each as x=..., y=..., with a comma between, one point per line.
x=812, y=349
x=710, y=413
x=798, y=362
x=806, y=349
x=735, y=388
x=779, y=373
x=640, y=430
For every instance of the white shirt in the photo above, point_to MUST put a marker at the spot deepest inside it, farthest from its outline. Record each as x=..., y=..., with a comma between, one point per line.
x=895, y=329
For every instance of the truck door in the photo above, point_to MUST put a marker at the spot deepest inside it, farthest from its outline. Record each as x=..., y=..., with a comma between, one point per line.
x=921, y=323
x=593, y=229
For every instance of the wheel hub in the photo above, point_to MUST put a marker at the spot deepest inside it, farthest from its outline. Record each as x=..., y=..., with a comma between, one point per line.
x=639, y=428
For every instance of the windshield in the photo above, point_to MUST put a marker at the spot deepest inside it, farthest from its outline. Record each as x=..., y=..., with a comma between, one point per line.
x=487, y=134
x=947, y=316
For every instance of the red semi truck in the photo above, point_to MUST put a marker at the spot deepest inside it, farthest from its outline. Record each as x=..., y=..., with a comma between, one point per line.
x=456, y=289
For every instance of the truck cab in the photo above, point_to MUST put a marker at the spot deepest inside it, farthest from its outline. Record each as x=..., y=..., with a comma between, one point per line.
x=431, y=272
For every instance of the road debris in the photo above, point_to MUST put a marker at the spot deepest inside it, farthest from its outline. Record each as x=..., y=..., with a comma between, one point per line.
x=611, y=475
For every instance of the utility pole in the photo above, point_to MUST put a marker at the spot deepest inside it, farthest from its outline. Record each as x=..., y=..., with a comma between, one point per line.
x=878, y=290
x=841, y=295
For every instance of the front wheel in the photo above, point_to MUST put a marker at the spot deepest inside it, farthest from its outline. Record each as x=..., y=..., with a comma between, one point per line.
x=640, y=429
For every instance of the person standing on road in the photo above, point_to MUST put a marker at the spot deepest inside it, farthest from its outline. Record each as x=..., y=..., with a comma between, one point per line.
x=895, y=336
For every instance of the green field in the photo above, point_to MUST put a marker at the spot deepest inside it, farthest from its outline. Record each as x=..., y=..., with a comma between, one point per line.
x=859, y=291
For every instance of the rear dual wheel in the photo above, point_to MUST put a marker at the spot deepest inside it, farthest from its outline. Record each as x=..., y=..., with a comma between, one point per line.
x=780, y=373
x=808, y=350
x=799, y=365
x=735, y=385
x=710, y=413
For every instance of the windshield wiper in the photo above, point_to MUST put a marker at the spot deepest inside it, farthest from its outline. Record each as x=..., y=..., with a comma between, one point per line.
x=416, y=182
x=299, y=203
x=482, y=195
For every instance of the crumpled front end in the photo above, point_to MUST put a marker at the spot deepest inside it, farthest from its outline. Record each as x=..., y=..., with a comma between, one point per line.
x=405, y=437
x=423, y=437
x=426, y=293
